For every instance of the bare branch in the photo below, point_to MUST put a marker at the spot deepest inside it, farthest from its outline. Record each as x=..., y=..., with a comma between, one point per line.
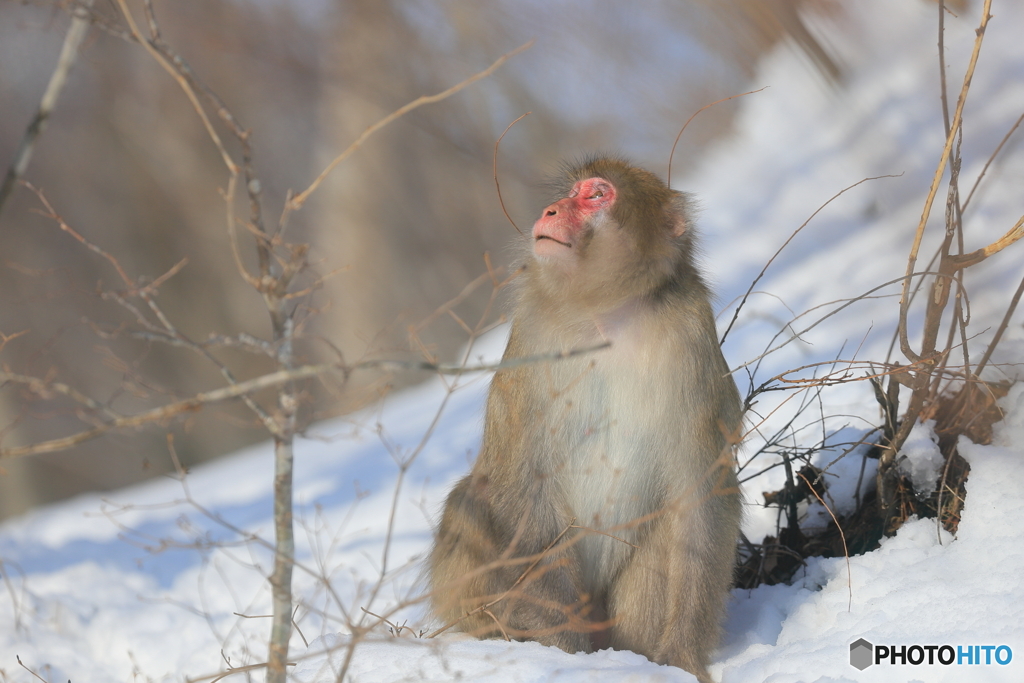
x=68, y=55
x=241, y=389
x=182, y=81
x=979, y=255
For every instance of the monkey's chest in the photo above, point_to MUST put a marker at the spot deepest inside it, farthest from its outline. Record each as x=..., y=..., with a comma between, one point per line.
x=612, y=450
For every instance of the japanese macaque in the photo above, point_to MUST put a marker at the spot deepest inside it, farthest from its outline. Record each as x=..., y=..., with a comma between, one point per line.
x=603, y=509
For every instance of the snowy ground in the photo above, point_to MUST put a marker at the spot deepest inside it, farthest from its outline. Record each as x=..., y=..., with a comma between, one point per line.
x=165, y=580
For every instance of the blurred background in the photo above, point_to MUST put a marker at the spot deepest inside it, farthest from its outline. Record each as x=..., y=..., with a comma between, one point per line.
x=402, y=226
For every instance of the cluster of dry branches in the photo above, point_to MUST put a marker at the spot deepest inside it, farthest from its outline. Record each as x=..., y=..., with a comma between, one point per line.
x=941, y=387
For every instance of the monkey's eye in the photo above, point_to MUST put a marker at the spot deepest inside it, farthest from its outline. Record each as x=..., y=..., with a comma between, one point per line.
x=597, y=194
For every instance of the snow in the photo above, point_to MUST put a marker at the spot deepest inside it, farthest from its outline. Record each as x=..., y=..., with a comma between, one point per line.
x=166, y=580
x=920, y=457
x=461, y=658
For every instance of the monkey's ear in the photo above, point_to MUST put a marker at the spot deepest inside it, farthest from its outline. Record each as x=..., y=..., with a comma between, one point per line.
x=679, y=213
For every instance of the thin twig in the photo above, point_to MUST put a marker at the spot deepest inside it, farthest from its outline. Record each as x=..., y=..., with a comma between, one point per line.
x=23, y=666
x=497, y=186
x=233, y=670
x=605, y=533
x=757, y=279
x=499, y=625
x=52, y=214
x=992, y=158
x=944, y=97
x=1002, y=328
x=842, y=536
x=668, y=175
x=296, y=202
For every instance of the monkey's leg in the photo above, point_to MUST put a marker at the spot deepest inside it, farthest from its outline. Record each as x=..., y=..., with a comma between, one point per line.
x=540, y=578
x=668, y=602
x=465, y=547
x=504, y=579
x=545, y=605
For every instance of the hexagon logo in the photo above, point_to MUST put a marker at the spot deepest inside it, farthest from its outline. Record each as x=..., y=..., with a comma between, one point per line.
x=861, y=654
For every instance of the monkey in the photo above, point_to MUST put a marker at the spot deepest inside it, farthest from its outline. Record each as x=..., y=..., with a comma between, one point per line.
x=603, y=507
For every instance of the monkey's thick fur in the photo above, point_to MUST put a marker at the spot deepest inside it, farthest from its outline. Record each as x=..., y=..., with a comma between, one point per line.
x=627, y=451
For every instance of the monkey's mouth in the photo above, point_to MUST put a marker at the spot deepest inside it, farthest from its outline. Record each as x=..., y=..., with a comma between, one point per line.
x=541, y=238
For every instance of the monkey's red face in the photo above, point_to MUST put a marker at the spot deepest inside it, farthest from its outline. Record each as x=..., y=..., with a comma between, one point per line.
x=561, y=226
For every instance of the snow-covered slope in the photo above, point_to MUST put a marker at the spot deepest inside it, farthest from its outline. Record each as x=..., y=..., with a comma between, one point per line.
x=150, y=583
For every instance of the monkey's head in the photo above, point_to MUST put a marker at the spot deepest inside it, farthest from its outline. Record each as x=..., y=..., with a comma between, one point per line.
x=614, y=232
